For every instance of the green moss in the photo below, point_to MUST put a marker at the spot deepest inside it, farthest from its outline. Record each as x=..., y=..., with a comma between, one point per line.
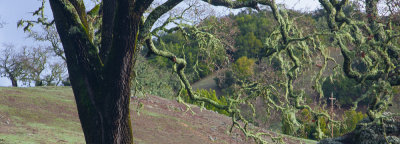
x=290, y=125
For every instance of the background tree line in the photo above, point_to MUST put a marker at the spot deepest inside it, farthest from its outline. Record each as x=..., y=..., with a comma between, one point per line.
x=35, y=65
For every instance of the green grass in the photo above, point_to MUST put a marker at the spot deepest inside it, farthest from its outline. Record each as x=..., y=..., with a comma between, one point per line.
x=39, y=115
x=43, y=134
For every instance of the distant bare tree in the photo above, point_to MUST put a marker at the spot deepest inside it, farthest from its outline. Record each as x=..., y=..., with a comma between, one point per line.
x=55, y=76
x=34, y=63
x=11, y=65
x=50, y=36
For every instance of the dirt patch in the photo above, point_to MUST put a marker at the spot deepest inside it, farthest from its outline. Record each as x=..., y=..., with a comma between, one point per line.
x=165, y=121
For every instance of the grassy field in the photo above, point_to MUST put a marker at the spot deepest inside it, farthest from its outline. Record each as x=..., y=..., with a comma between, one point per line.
x=38, y=115
x=47, y=115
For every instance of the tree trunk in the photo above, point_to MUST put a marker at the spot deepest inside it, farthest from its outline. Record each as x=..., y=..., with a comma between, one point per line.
x=101, y=86
x=14, y=82
x=38, y=83
x=103, y=122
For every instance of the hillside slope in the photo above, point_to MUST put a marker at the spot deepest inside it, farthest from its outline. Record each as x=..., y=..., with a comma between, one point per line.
x=48, y=115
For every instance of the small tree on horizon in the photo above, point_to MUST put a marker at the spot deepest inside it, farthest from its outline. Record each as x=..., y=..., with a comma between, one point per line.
x=34, y=61
x=11, y=65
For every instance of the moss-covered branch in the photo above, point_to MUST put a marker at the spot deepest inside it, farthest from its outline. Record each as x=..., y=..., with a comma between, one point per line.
x=358, y=35
x=180, y=66
x=238, y=4
x=155, y=15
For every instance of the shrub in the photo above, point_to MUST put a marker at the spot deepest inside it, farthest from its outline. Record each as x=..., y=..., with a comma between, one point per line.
x=244, y=67
x=351, y=118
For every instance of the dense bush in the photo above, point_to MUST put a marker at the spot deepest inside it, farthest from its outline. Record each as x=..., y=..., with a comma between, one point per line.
x=244, y=68
x=351, y=118
x=254, y=28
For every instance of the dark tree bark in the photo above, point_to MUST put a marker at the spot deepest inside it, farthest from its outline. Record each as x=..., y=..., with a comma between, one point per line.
x=101, y=86
x=11, y=76
x=14, y=81
x=38, y=82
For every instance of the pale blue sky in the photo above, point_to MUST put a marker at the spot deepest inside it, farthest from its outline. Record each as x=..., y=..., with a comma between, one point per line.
x=11, y=11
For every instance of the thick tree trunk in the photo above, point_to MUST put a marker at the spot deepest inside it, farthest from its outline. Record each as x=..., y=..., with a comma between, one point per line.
x=101, y=86
x=103, y=122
